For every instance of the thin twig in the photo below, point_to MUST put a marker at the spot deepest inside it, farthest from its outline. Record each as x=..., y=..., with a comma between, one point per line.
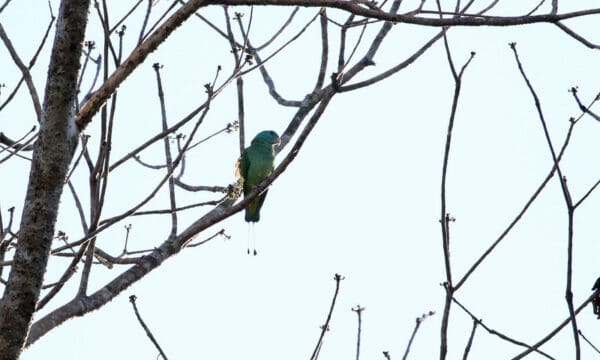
x=219, y=233
x=568, y=203
x=324, y=49
x=139, y=160
x=520, y=215
x=499, y=334
x=358, y=310
x=69, y=272
x=324, y=328
x=558, y=328
x=33, y=58
x=355, y=7
x=4, y=5
x=112, y=29
x=145, y=22
x=167, y=147
x=194, y=188
x=445, y=217
x=161, y=18
x=107, y=223
x=177, y=209
x=24, y=71
x=576, y=36
x=470, y=341
x=583, y=108
x=418, y=322
x=13, y=147
x=132, y=300
x=589, y=342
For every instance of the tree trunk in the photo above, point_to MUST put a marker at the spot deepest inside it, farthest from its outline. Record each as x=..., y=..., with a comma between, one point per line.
x=51, y=157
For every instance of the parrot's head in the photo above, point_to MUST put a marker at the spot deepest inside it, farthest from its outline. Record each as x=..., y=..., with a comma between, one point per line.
x=267, y=137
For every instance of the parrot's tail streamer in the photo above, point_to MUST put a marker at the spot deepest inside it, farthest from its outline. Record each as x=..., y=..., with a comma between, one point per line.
x=251, y=239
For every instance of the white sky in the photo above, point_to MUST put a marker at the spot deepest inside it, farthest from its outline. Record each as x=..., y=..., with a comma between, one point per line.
x=361, y=199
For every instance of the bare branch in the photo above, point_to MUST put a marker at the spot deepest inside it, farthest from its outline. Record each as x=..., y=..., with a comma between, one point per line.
x=145, y=23
x=576, y=36
x=465, y=20
x=418, y=322
x=411, y=59
x=584, y=109
x=6, y=2
x=536, y=7
x=170, y=246
x=132, y=299
x=69, y=272
x=176, y=209
x=219, y=233
x=14, y=147
x=33, y=59
x=589, y=342
x=445, y=217
x=556, y=330
x=568, y=203
x=136, y=58
x=325, y=327
x=25, y=71
x=324, y=49
x=168, y=156
x=187, y=187
x=519, y=216
x=358, y=310
x=499, y=334
x=470, y=342
x=118, y=23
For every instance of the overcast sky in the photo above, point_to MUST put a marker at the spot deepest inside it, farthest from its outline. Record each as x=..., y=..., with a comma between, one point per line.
x=362, y=198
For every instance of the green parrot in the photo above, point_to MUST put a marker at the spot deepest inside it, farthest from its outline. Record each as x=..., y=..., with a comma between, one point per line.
x=255, y=164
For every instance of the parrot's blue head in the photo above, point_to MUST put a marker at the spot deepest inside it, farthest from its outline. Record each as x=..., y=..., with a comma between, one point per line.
x=266, y=137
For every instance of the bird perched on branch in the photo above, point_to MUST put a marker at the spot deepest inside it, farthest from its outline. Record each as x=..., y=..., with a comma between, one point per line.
x=255, y=165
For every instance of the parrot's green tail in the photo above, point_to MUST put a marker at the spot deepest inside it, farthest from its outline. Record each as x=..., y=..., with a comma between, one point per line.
x=253, y=210
x=252, y=216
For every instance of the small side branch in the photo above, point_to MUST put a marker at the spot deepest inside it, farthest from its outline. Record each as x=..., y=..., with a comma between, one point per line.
x=24, y=70
x=589, y=342
x=324, y=49
x=445, y=217
x=168, y=156
x=583, y=108
x=551, y=334
x=358, y=310
x=132, y=299
x=499, y=334
x=324, y=328
x=568, y=203
x=470, y=342
x=418, y=322
x=576, y=36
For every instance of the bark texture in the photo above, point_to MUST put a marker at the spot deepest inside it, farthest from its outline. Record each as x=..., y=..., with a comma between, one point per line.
x=51, y=158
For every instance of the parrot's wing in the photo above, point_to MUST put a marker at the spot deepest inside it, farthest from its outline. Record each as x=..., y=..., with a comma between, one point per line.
x=238, y=171
x=261, y=199
x=242, y=165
